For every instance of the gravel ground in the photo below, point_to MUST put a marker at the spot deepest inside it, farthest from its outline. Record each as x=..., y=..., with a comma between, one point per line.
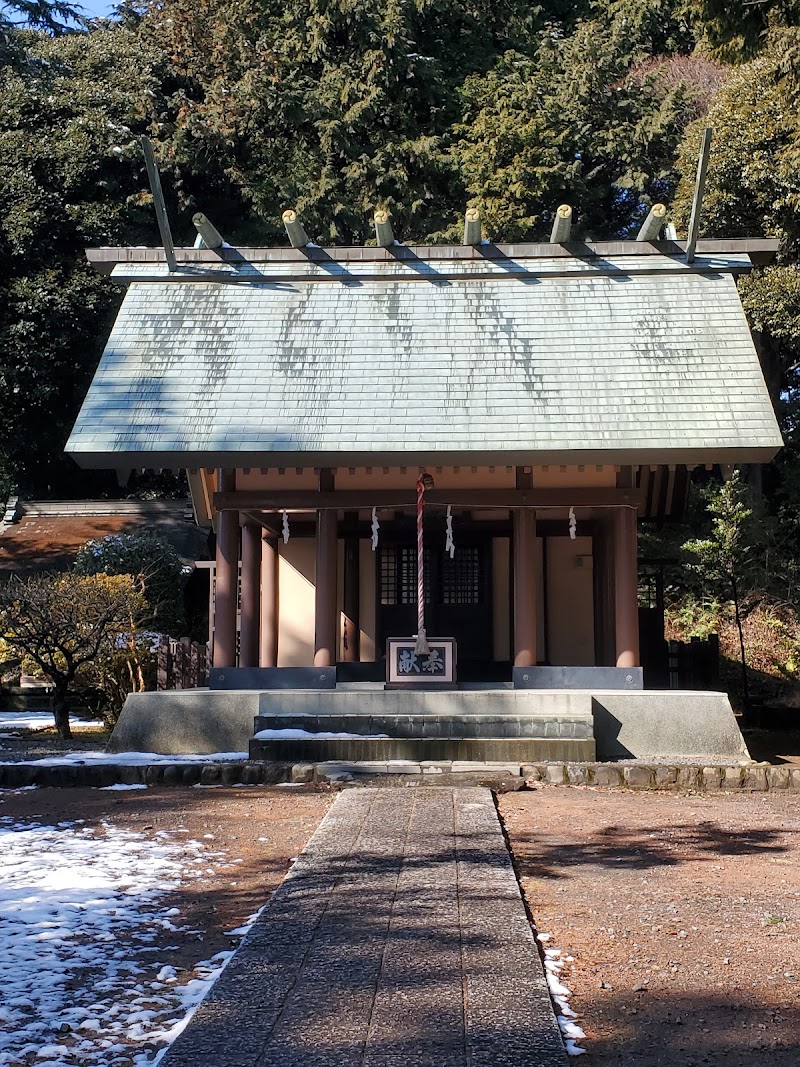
x=681, y=913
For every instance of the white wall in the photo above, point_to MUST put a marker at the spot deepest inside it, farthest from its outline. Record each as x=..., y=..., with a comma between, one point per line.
x=296, y=563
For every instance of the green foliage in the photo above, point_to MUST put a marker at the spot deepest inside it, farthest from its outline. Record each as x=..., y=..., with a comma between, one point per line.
x=752, y=186
x=736, y=31
x=119, y=669
x=68, y=623
x=584, y=120
x=727, y=553
x=155, y=566
x=753, y=189
x=55, y=16
x=694, y=617
x=69, y=177
x=335, y=107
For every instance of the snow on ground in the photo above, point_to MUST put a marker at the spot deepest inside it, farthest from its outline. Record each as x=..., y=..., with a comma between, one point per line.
x=80, y=906
x=554, y=961
x=296, y=735
x=40, y=720
x=130, y=759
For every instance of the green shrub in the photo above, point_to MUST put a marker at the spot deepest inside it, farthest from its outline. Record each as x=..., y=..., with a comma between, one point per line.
x=151, y=561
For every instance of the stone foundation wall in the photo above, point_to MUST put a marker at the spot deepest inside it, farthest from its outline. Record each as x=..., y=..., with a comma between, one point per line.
x=694, y=778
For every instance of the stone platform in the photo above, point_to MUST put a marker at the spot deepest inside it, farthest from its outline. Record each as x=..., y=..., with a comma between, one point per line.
x=398, y=939
x=363, y=721
x=360, y=721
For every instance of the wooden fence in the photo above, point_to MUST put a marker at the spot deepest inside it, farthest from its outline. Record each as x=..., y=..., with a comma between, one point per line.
x=182, y=664
x=694, y=664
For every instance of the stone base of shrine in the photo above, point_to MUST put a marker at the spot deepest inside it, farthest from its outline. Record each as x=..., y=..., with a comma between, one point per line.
x=363, y=721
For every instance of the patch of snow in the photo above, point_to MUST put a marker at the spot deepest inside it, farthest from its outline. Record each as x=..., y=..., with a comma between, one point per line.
x=81, y=981
x=115, y=788
x=296, y=735
x=554, y=961
x=130, y=759
x=240, y=931
x=37, y=720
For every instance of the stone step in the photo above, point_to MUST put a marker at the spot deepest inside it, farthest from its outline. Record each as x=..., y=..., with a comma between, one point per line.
x=480, y=749
x=376, y=701
x=410, y=726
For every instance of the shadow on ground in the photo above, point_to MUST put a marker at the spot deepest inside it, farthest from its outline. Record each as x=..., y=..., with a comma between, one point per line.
x=639, y=848
x=660, y=1029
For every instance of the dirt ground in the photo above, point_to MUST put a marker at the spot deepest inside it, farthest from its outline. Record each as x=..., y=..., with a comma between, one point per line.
x=681, y=913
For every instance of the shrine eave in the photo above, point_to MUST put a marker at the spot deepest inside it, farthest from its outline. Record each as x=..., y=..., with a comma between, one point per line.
x=239, y=459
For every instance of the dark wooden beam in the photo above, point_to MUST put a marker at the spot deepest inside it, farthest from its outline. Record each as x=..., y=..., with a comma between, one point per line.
x=763, y=248
x=354, y=499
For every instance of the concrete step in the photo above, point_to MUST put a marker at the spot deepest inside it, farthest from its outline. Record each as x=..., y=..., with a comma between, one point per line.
x=376, y=701
x=431, y=725
x=480, y=749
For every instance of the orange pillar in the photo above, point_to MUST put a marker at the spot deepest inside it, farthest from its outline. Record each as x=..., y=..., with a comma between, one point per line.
x=626, y=588
x=250, y=595
x=227, y=578
x=325, y=590
x=524, y=528
x=268, y=653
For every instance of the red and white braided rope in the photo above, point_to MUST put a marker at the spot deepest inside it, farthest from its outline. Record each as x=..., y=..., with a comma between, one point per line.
x=420, y=560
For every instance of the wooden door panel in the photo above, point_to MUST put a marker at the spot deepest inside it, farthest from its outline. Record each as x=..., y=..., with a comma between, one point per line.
x=457, y=595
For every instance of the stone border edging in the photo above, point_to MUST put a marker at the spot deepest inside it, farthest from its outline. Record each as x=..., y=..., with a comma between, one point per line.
x=176, y=773
x=668, y=776
x=694, y=777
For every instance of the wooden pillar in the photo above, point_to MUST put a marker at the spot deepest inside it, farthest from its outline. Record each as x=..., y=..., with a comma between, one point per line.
x=250, y=595
x=524, y=525
x=351, y=633
x=268, y=629
x=227, y=578
x=605, y=639
x=325, y=630
x=626, y=591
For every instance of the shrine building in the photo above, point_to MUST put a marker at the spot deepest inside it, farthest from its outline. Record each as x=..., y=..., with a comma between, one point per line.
x=553, y=395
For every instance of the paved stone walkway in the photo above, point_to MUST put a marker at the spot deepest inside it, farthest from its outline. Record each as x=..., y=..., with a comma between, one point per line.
x=398, y=940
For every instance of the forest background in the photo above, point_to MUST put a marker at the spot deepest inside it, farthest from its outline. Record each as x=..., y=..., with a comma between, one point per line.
x=424, y=106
